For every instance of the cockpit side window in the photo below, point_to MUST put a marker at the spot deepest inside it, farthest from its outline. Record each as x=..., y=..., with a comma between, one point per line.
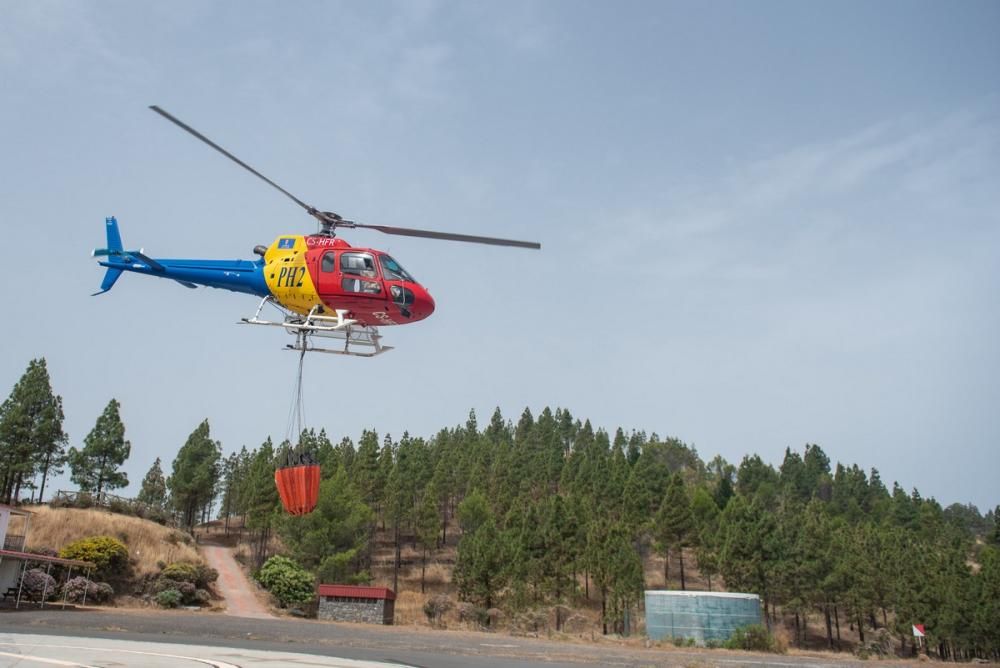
x=393, y=271
x=359, y=264
x=329, y=262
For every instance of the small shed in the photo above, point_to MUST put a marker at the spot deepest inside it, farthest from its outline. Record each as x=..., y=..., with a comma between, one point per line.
x=352, y=603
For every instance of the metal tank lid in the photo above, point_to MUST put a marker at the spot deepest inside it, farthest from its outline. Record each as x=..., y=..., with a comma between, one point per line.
x=702, y=594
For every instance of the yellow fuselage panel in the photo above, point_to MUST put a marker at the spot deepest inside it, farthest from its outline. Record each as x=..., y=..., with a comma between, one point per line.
x=287, y=275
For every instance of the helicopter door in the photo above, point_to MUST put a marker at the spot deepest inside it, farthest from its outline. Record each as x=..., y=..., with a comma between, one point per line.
x=328, y=278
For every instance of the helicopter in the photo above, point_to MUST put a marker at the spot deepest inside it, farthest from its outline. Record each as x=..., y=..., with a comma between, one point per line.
x=321, y=285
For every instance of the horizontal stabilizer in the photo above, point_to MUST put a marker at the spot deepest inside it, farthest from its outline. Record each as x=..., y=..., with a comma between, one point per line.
x=187, y=284
x=148, y=261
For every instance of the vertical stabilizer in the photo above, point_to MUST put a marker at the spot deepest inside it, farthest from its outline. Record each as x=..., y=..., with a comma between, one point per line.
x=114, y=236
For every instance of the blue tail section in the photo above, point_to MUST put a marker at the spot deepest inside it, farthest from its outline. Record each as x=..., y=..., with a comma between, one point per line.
x=114, y=247
x=114, y=236
x=237, y=275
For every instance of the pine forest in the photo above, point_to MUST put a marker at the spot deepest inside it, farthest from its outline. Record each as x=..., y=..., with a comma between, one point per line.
x=544, y=515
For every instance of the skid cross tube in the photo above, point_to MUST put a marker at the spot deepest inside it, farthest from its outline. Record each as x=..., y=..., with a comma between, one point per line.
x=337, y=326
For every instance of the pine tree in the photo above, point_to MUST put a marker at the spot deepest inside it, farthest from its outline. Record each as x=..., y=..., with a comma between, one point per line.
x=259, y=496
x=427, y=527
x=482, y=565
x=673, y=524
x=95, y=466
x=230, y=494
x=559, y=533
x=195, y=471
x=154, y=487
x=473, y=511
x=706, y=529
x=31, y=435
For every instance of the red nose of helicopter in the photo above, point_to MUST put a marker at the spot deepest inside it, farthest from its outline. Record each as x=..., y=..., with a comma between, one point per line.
x=423, y=303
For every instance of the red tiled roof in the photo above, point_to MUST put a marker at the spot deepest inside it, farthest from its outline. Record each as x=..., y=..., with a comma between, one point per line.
x=355, y=591
x=30, y=556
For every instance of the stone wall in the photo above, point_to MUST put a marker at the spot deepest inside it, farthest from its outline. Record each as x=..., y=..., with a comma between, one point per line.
x=370, y=611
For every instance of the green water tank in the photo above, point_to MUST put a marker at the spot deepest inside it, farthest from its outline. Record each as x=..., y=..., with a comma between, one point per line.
x=700, y=615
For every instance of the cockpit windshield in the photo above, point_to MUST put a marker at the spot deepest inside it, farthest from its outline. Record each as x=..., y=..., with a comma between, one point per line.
x=393, y=271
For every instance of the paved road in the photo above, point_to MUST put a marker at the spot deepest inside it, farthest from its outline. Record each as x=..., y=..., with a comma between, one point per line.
x=22, y=650
x=232, y=584
x=404, y=645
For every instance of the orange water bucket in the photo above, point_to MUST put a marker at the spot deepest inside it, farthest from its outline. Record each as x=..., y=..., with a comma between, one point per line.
x=298, y=487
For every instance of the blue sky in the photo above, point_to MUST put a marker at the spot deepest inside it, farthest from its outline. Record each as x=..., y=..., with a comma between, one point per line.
x=763, y=224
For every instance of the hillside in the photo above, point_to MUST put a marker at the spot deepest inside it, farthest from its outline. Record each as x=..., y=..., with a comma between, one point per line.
x=148, y=542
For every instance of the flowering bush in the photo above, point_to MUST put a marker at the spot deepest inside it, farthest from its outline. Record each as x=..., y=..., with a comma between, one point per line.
x=96, y=592
x=108, y=554
x=36, y=584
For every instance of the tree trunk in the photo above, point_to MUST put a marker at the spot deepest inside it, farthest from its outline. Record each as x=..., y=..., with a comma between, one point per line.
x=45, y=474
x=558, y=603
x=861, y=629
x=836, y=618
x=604, y=610
x=395, y=566
x=829, y=626
x=798, y=632
x=680, y=554
x=423, y=571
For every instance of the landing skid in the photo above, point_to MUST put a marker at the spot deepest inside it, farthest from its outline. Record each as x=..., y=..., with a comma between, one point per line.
x=338, y=327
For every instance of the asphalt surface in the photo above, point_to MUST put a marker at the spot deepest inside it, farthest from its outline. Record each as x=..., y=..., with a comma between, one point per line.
x=212, y=632
x=20, y=650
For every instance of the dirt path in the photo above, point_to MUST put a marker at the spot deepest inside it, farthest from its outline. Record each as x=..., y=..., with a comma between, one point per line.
x=233, y=585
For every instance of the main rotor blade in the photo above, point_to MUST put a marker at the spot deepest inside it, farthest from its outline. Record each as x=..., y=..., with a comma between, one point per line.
x=448, y=236
x=229, y=155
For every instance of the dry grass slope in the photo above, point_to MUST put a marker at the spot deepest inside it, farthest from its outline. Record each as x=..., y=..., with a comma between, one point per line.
x=147, y=542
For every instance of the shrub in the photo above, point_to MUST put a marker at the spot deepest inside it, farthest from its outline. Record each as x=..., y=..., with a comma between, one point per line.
x=202, y=597
x=178, y=537
x=879, y=644
x=754, y=637
x=163, y=584
x=187, y=578
x=435, y=607
x=206, y=576
x=469, y=612
x=181, y=572
x=37, y=584
x=169, y=598
x=120, y=506
x=73, y=590
x=104, y=593
x=96, y=592
x=287, y=581
x=108, y=554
